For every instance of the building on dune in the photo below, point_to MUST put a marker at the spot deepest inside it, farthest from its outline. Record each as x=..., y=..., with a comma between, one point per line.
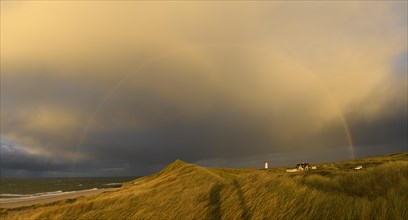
x=300, y=167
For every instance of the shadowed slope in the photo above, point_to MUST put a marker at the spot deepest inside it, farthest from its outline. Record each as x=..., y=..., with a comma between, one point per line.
x=188, y=191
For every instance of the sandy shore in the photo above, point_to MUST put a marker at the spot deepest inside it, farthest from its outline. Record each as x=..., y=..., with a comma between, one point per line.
x=18, y=202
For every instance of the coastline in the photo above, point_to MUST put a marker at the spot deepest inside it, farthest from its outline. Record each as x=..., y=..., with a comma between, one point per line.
x=28, y=201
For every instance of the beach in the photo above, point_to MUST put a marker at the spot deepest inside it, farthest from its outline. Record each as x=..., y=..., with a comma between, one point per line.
x=19, y=202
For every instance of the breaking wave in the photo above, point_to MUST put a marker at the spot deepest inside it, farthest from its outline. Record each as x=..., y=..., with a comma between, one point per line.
x=6, y=196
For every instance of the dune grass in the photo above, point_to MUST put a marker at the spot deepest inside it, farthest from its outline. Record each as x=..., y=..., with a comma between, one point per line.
x=187, y=191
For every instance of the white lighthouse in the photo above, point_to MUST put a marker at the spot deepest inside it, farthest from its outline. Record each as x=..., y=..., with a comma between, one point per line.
x=266, y=164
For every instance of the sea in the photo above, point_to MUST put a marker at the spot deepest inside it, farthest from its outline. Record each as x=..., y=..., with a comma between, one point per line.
x=12, y=188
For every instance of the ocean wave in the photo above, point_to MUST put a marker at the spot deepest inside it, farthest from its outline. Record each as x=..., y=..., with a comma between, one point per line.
x=113, y=184
x=30, y=195
x=10, y=196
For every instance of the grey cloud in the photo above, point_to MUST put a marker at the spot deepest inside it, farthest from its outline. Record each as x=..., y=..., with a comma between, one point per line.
x=97, y=93
x=15, y=161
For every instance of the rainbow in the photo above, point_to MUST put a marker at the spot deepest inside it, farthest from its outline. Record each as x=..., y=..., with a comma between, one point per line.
x=161, y=57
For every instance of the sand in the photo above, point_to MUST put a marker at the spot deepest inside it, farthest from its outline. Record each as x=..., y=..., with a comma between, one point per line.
x=19, y=202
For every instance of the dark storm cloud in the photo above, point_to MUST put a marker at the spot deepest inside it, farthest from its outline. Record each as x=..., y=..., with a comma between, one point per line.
x=134, y=86
x=17, y=162
x=387, y=129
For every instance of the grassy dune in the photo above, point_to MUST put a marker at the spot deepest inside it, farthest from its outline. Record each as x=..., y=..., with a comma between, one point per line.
x=187, y=191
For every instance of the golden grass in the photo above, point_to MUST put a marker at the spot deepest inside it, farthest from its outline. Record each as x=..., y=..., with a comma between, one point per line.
x=187, y=191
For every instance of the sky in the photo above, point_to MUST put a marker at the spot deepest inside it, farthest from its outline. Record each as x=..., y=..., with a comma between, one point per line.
x=104, y=88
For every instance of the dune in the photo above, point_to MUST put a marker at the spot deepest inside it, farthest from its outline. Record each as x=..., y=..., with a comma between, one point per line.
x=187, y=191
